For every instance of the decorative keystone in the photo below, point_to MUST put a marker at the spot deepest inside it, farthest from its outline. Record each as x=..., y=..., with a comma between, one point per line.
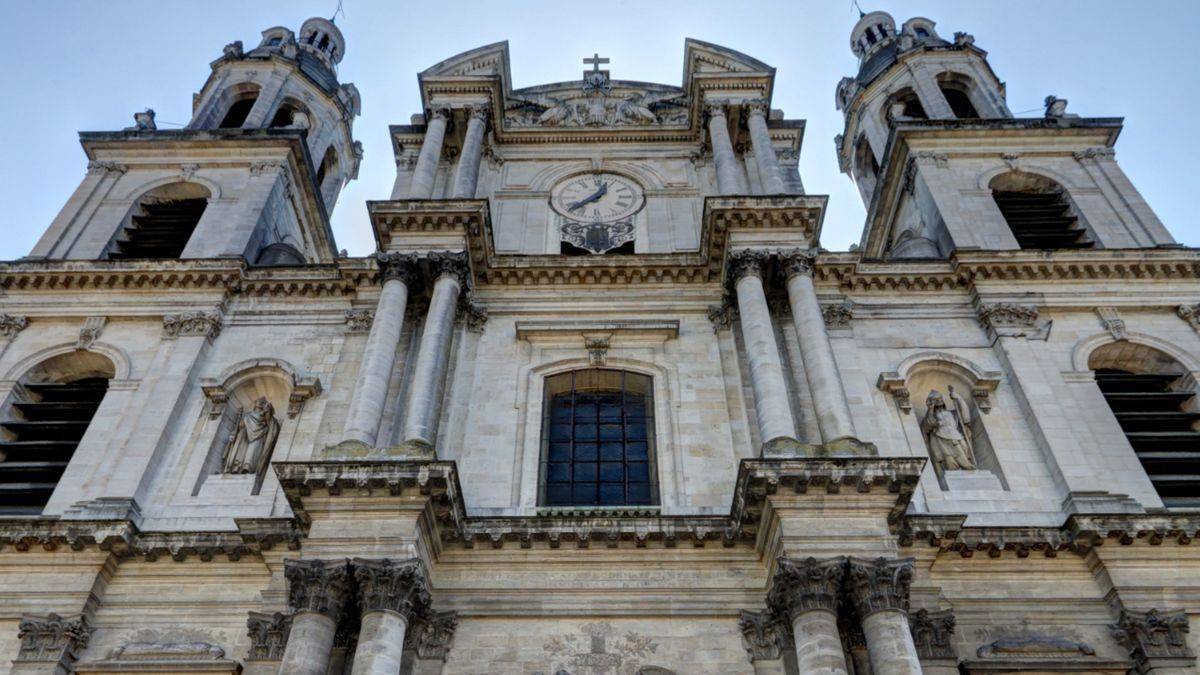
x=319, y=586
x=806, y=585
x=880, y=584
x=393, y=585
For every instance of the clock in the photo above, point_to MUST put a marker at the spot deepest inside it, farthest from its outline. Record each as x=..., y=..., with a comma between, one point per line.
x=597, y=198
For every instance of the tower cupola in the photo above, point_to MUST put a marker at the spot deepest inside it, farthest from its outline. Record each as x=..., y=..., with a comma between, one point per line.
x=322, y=38
x=871, y=33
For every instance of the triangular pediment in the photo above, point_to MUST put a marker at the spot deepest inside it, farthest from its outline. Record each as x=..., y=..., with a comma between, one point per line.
x=486, y=61
x=701, y=57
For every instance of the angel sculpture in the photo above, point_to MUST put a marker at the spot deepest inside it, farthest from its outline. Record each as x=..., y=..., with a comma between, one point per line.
x=634, y=110
x=555, y=114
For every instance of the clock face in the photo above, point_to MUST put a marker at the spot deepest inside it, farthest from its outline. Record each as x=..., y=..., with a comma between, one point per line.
x=597, y=197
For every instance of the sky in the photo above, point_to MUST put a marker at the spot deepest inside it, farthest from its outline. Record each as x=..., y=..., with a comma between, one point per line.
x=81, y=65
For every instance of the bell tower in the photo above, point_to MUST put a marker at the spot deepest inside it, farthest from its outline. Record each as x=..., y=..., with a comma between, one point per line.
x=942, y=164
x=254, y=174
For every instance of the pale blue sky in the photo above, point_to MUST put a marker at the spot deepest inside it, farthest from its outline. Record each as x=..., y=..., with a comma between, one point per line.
x=86, y=65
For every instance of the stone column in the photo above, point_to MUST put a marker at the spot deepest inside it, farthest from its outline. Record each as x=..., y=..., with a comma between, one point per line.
x=317, y=594
x=431, y=155
x=879, y=589
x=728, y=179
x=764, y=153
x=820, y=368
x=806, y=592
x=1157, y=641
x=391, y=594
x=466, y=175
x=766, y=370
x=433, y=355
x=398, y=272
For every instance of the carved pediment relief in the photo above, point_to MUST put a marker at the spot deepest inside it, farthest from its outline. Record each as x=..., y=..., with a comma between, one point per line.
x=617, y=105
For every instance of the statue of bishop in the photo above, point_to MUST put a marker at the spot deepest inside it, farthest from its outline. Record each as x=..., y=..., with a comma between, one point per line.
x=253, y=438
x=947, y=430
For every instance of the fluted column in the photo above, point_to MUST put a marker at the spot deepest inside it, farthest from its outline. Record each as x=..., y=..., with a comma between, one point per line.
x=806, y=593
x=317, y=593
x=771, y=403
x=764, y=153
x=433, y=355
x=879, y=589
x=728, y=178
x=466, y=175
x=820, y=368
x=431, y=155
x=391, y=595
x=370, y=389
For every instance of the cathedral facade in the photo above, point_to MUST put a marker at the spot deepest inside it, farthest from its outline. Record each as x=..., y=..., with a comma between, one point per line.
x=600, y=403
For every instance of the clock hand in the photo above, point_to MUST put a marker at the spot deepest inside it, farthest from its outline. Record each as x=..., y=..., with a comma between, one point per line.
x=590, y=198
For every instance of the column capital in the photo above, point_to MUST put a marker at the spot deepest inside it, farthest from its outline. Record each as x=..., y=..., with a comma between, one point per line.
x=767, y=634
x=318, y=586
x=440, y=111
x=51, y=638
x=268, y=635
x=1008, y=319
x=715, y=109
x=450, y=263
x=393, y=585
x=432, y=634
x=756, y=106
x=1153, y=636
x=880, y=584
x=192, y=324
x=805, y=585
x=398, y=266
x=933, y=633
x=747, y=262
x=479, y=111
x=797, y=261
x=10, y=325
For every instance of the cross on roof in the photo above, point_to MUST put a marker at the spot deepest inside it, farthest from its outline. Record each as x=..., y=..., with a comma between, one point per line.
x=595, y=62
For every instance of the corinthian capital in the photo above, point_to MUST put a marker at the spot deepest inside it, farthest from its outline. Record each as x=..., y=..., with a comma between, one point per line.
x=747, y=262
x=51, y=639
x=714, y=109
x=804, y=585
x=432, y=635
x=398, y=266
x=192, y=324
x=318, y=586
x=756, y=106
x=797, y=261
x=394, y=585
x=880, y=584
x=479, y=112
x=1154, y=635
x=11, y=325
x=450, y=263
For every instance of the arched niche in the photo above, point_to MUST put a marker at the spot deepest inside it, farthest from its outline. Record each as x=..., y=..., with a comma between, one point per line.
x=252, y=406
x=42, y=421
x=945, y=400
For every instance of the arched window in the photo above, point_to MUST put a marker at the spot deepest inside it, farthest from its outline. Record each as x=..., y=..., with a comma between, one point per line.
x=907, y=98
x=43, y=422
x=328, y=169
x=161, y=223
x=598, y=440
x=285, y=116
x=239, y=99
x=1154, y=401
x=956, y=90
x=866, y=168
x=1038, y=212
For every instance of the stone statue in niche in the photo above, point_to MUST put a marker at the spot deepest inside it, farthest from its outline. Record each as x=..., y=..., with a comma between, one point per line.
x=249, y=446
x=947, y=430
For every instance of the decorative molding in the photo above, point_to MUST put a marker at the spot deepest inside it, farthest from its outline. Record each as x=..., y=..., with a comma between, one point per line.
x=650, y=328
x=192, y=324
x=303, y=389
x=1008, y=319
x=187, y=171
x=837, y=316
x=359, y=320
x=1189, y=313
x=95, y=167
x=318, y=586
x=92, y=326
x=167, y=651
x=1155, y=639
x=933, y=633
x=52, y=639
x=432, y=635
x=897, y=386
x=767, y=635
x=474, y=314
x=392, y=585
x=1093, y=153
x=723, y=315
x=939, y=159
x=11, y=324
x=268, y=635
x=880, y=584
x=597, y=348
x=270, y=166
x=805, y=585
x=1112, y=322
x=1042, y=647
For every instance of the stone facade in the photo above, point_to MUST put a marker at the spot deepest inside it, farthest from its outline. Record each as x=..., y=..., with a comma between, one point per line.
x=301, y=462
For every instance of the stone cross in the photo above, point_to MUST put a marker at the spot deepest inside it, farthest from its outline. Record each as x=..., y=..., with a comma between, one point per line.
x=595, y=62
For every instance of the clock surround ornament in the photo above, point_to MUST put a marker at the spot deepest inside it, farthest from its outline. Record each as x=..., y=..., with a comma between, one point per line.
x=597, y=209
